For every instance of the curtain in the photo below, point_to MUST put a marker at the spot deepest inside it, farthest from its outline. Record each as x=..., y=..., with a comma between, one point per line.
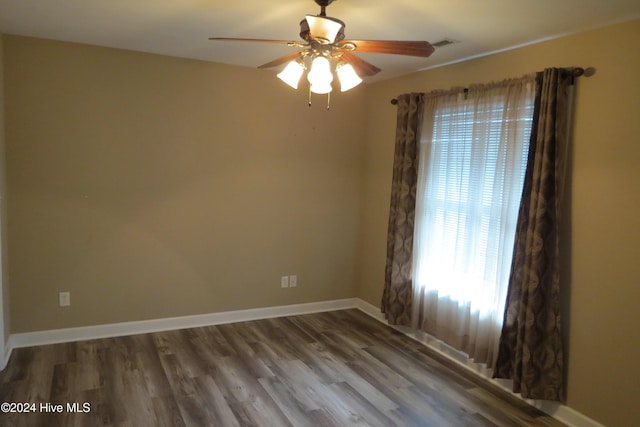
x=397, y=294
x=530, y=349
x=473, y=155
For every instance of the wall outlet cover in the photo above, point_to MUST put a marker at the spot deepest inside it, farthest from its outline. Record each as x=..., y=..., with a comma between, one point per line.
x=64, y=299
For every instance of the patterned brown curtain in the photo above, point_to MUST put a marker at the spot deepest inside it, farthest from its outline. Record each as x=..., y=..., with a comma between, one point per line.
x=397, y=294
x=530, y=351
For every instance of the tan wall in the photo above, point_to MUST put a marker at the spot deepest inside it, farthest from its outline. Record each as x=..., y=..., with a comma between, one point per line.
x=4, y=270
x=601, y=270
x=152, y=187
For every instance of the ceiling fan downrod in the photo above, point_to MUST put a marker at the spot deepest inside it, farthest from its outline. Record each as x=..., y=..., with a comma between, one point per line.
x=323, y=6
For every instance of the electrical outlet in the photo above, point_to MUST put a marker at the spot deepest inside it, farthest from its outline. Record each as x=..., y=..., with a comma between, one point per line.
x=64, y=299
x=284, y=282
x=293, y=281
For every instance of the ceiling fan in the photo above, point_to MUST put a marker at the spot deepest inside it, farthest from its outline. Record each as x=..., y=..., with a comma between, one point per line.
x=323, y=43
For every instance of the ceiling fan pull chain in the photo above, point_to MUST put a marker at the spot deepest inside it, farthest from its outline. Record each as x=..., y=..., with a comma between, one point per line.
x=328, y=100
x=309, y=96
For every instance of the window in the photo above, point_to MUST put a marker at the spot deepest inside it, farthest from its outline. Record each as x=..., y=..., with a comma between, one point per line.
x=473, y=156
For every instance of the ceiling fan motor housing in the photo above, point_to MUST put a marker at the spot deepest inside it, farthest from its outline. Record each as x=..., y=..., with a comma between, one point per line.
x=307, y=35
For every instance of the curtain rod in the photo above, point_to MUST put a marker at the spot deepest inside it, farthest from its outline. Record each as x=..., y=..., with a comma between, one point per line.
x=577, y=72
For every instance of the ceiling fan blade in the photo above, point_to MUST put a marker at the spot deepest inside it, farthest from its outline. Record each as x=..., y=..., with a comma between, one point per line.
x=362, y=67
x=396, y=47
x=281, y=60
x=233, y=39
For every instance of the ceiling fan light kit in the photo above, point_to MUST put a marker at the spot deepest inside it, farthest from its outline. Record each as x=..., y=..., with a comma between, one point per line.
x=292, y=73
x=320, y=76
x=347, y=76
x=326, y=52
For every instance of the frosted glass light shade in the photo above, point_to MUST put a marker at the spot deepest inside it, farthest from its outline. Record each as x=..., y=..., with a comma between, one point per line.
x=292, y=73
x=347, y=76
x=320, y=75
x=320, y=88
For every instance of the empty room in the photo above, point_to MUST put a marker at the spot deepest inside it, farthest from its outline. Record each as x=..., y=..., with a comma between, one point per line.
x=319, y=213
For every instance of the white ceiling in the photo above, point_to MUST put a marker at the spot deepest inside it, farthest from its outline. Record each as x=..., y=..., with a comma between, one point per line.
x=181, y=27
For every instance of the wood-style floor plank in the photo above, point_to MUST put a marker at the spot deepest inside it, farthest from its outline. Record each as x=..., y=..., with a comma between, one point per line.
x=339, y=368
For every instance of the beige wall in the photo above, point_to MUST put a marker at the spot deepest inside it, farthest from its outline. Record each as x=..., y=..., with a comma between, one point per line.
x=4, y=276
x=152, y=187
x=601, y=268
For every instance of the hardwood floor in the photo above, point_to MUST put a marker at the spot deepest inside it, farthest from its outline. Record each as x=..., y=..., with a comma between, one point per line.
x=338, y=368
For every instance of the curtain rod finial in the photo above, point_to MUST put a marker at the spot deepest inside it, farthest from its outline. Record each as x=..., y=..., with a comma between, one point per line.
x=587, y=72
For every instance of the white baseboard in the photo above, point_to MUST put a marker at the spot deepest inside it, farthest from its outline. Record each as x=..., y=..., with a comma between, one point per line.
x=55, y=336
x=8, y=347
x=561, y=412
x=565, y=414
